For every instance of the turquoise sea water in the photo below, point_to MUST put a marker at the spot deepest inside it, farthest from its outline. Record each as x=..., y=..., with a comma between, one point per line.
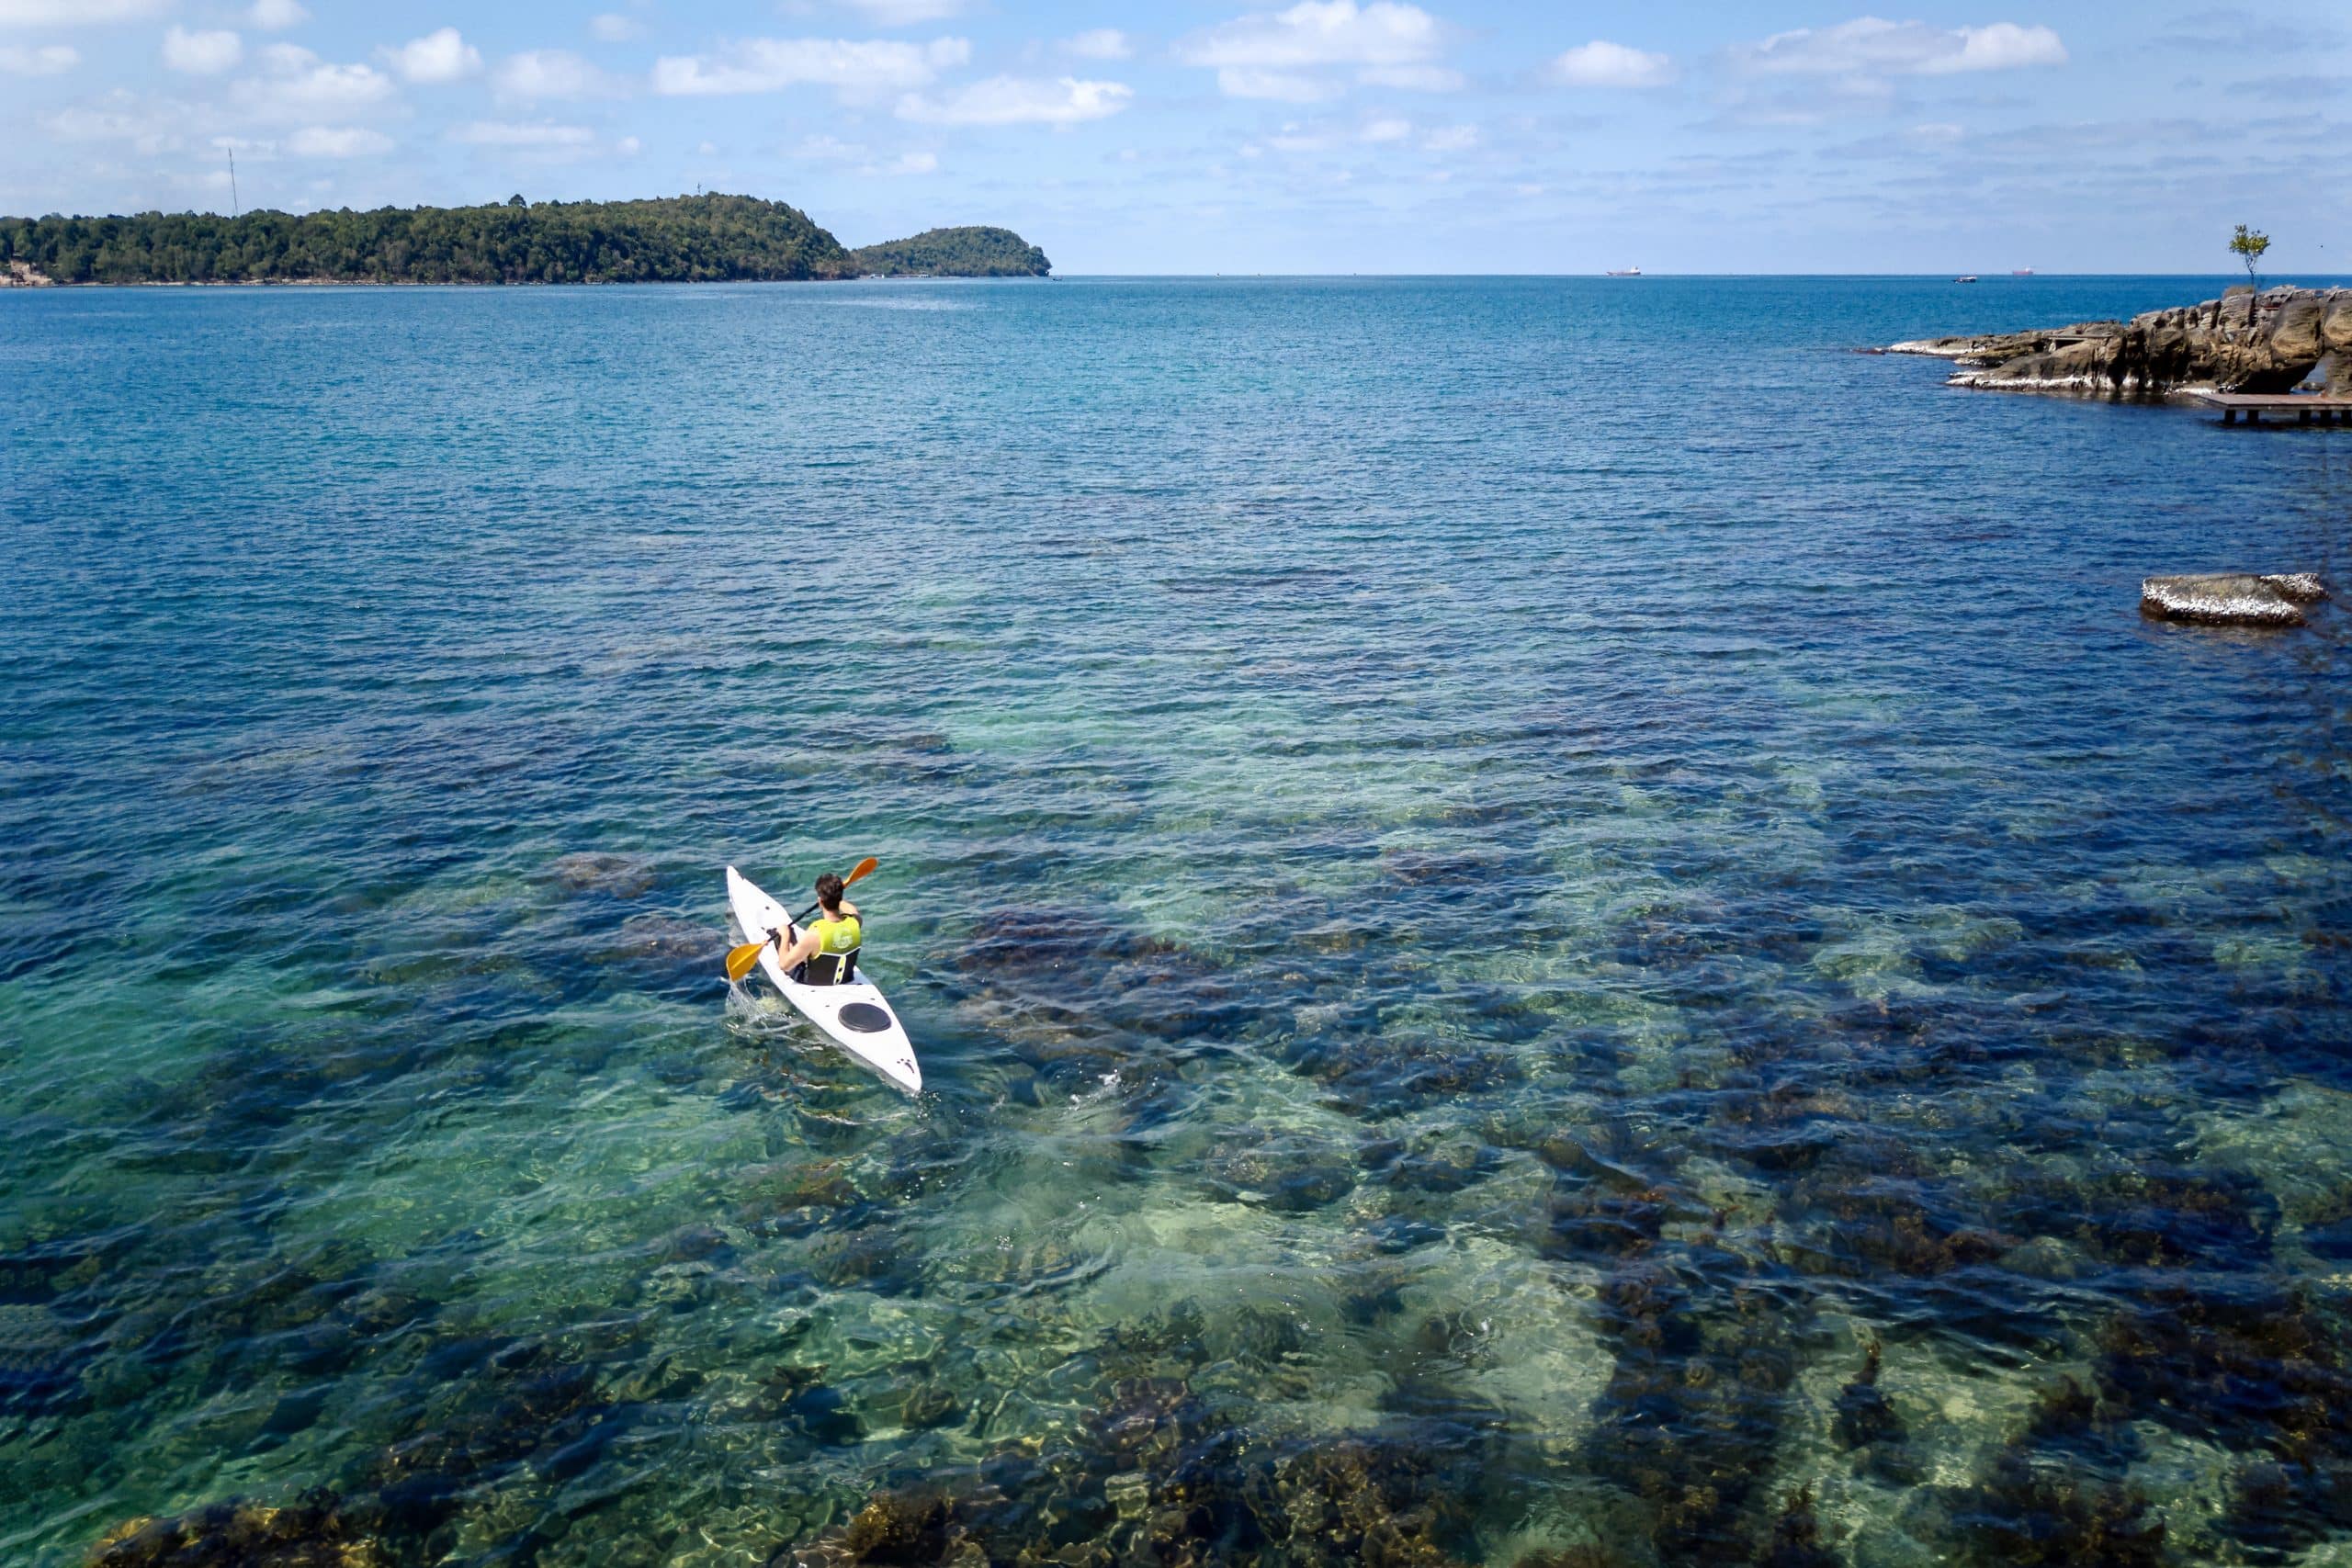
x=1541, y=914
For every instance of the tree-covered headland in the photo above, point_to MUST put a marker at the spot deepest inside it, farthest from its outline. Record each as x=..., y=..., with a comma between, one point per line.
x=687, y=238
x=956, y=252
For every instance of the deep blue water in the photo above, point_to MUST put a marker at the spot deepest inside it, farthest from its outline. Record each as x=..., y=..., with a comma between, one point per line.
x=1540, y=914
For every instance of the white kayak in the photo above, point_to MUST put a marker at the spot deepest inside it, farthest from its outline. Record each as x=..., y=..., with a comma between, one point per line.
x=854, y=1016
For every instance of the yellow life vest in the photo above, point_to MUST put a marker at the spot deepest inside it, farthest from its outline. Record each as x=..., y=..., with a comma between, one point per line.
x=838, y=936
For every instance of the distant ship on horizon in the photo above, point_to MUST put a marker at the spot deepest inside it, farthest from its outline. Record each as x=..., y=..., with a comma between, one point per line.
x=2020, y=272
x=1965, y=277
x=1624, y=272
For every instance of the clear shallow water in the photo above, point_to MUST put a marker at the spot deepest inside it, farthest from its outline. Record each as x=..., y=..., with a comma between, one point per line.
x=1497, y=880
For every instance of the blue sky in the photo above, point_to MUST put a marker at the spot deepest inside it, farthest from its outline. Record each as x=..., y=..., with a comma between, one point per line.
x=1188, y=136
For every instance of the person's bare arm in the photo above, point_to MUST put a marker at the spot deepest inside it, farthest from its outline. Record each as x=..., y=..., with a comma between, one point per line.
x=799, y=952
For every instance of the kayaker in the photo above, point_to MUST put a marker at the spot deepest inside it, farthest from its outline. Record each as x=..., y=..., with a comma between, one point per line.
x=829, y=946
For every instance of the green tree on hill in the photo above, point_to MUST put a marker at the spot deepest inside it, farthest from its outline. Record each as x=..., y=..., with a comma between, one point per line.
x=956, y=252
x=673, y=240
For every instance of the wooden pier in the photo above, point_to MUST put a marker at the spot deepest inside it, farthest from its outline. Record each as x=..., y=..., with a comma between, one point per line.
x=2254, y=405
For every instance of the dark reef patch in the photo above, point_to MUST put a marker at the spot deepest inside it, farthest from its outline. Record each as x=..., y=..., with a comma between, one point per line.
x=1381, y=1075
x=1691, y=1414
x=1281, y=1170
x=1865, y=1420
x=2026, y=1512
x=1158, y=1476
x=312, y=1532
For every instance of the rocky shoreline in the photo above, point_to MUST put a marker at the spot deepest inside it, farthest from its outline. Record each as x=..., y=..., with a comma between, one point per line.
x=2244, y=341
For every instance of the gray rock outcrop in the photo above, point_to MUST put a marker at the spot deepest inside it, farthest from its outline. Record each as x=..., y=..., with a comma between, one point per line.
x=2231, y=598
x=2240, y=343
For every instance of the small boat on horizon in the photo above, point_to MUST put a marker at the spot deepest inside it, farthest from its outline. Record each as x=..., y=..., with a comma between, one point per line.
x=1969, y=278
x=1623, y=272
x=2021, y=272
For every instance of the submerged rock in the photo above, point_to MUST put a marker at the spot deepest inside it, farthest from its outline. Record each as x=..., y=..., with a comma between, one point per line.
x=665, y=937
x=1155, y=1476
x=2240, y=343
x=42, y=1359
x=1796, y=1537
x=2022, y=1513
x=311, y=1534
x=602, y=871
x=1282, y=1171
x=1867, y=1422
x=2231, y=599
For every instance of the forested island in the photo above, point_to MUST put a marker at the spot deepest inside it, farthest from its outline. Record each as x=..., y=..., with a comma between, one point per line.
x=956, y=252
x=687, y=239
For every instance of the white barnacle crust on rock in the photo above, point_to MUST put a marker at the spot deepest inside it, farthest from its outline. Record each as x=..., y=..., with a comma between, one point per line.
x=2231, y=598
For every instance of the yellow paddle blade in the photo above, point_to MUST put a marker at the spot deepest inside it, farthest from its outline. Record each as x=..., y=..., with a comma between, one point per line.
x=864, y=868
x=741, y=959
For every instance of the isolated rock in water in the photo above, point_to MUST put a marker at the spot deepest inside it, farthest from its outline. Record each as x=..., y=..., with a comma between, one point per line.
x=2231, y=599
x=2240, y=343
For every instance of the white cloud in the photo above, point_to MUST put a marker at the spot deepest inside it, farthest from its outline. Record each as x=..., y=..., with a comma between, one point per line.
x=1386, y=130
x=296, y=86
x=75, y=13
x=867, y=70
x=1296, y=138
x=831, y=150
x=612, y=27
x=1451, y=139
x=1014, y=100
x=906, y=13
x=502, y=134
x=1100, y=43
x=276, y=16
x=48, y=60
x=1279, y=86
x=1414, y=78
x=544, y=142
x=1604, y=65
x=442, y=55
x=346, y=142
x=202, y=54
x=2003, y=46
x=1319, y=32
x=1869, y=46
x=539, y=74
x=151, y=125
x=1274, y=55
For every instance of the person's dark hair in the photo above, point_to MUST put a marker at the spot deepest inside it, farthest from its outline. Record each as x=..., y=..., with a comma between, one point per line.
x=829, y=891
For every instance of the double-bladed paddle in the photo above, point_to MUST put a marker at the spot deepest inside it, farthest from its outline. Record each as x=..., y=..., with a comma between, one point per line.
x=741, y=959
